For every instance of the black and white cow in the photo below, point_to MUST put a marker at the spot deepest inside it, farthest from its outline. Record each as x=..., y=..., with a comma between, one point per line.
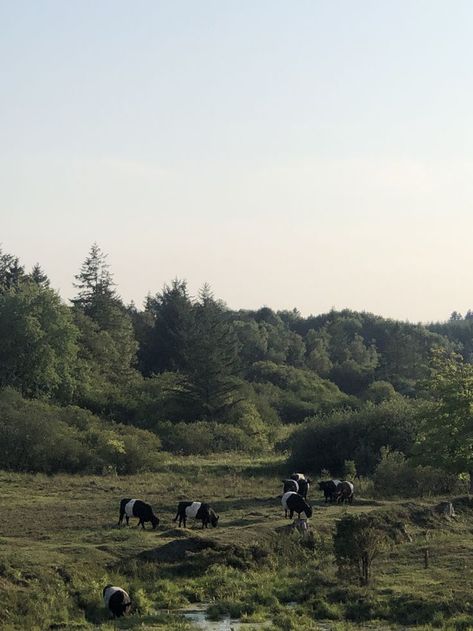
x=303, y=483
x=345, y=492
x=329, y=487
x=196, y=510
x=137, y=508
x=116, y=600
x=294, y=503
x=290, y=485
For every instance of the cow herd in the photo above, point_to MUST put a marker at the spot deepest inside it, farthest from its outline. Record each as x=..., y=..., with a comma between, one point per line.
x=294, y=501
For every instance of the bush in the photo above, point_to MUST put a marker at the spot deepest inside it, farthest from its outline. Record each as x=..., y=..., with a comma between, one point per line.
x=357, y=541
x=295, y=393
x=395, y=476
x=327, y=442
x=40, y=437
x=242, y=431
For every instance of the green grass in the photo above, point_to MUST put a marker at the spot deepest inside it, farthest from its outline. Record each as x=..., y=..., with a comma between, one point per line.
x=59, y=545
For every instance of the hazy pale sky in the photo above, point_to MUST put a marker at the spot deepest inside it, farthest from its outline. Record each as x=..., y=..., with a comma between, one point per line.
x=292, y=154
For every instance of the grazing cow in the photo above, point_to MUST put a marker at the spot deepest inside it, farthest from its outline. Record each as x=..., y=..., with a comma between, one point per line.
x=137, y=508
x=345, y=492
x=294, y=503
x=116, y=600
x=196, y=510
x=302, y=482
x=290, y=485
x=303, y=487
x=329, y=487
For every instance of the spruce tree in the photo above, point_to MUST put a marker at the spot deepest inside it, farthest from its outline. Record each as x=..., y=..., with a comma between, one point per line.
x=11, y=272
x=95, y=285
x=211, y=359
x=38, y=276
x=165, y=342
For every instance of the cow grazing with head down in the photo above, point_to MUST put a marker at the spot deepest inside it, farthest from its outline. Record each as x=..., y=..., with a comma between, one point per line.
x=137, y=508
x=196, y=510
x=116, y=600
x=294, y=503
x=345, y=492
x=329, y=487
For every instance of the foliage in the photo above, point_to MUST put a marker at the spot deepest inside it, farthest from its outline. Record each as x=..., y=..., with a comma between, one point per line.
x=296, y=393
x=38, y=343
x=11, y=272
x=397, y=476
x=211, y=384
x=357, y=541
x=446, y=437
x=208, y=437
x=183, y=360
x=36, y=436
x=326, y=442
x=165, y=338
x=349, y=469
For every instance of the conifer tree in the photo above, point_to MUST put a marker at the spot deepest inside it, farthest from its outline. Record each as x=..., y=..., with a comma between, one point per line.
x=211, y=358
x=11, y=272
x=38, y=276
x=164, y=344
x=95, y=285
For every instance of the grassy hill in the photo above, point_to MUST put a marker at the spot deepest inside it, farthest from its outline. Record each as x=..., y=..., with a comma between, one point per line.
x=59, y=545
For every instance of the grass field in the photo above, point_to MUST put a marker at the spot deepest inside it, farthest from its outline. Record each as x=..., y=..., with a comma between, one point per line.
x=60, y=544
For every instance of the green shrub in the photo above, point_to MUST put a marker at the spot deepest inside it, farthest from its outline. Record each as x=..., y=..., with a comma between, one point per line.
x=354, y=435
x=207, y=437
x=39, y=437
x=395, y=476
x=358, y=540
x=416, y=610
x=461, y=622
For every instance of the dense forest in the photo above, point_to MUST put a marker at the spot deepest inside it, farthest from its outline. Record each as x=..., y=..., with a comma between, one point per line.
x=97, y=385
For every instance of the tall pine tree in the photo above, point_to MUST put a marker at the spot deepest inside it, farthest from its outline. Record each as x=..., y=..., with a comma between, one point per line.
x=211, y=359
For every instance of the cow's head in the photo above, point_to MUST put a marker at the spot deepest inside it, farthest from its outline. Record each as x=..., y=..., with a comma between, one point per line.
x=322, y=485
x=154, y=521
x=214, y=519
x=308, y=510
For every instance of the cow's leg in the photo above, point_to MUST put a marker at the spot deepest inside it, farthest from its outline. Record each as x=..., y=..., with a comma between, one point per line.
x=127, y=520
x=291, y=514
x=285, y=513
x=120, y=518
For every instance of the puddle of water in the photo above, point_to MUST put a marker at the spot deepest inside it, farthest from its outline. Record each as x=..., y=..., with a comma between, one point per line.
x=198, y=616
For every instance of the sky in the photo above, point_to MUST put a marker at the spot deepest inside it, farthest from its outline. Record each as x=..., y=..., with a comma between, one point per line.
x=307, y=154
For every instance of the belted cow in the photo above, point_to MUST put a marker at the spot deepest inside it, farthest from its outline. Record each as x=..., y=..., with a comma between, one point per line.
x=116, y=600
x=294, y=503
x=329, y=487
x=196, y=510
x=137, y=508
x=290, y=485
x=345, y=492
x=303, y=483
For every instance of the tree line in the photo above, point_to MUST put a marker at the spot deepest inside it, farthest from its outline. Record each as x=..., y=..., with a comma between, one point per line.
x=198, y=376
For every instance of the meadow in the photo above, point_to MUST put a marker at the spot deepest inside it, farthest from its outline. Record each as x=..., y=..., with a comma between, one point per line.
x=60, y=544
